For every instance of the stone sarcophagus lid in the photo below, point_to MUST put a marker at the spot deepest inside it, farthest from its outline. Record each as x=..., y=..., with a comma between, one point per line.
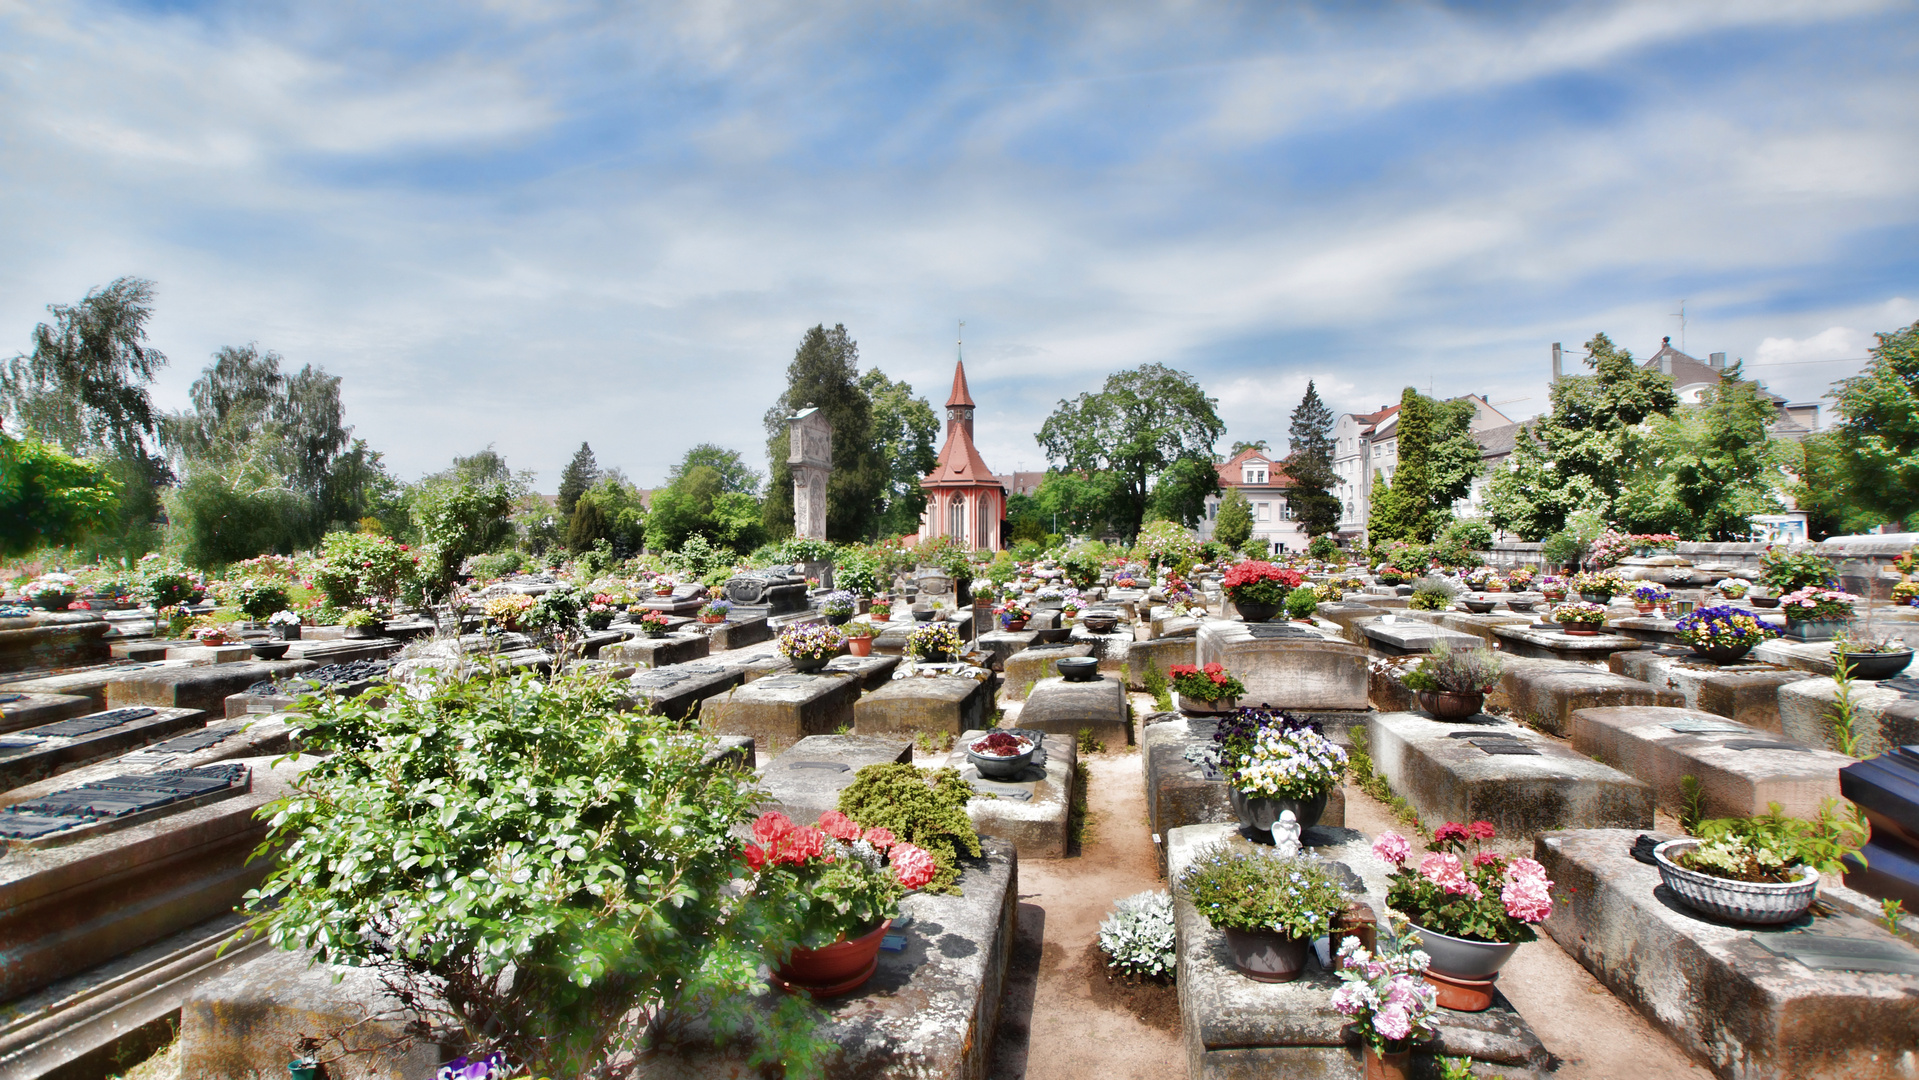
x=1887, y=789
x=778, y=590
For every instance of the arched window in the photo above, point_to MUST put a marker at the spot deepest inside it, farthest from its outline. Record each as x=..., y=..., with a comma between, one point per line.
x=956, y=521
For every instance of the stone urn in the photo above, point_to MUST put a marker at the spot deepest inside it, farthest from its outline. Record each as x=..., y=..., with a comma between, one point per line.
x=1876, y=666
x=1756, y=902
x=1078, y=668
x=1254, y=611
x=1193, y=706
x=1258, y=813
x=1002, y=766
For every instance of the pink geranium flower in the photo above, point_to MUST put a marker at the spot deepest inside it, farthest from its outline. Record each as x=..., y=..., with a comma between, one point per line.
x=1392, y=847
x=912, y=865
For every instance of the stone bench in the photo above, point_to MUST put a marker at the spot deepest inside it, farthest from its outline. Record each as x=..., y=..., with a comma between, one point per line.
x=1545, y=693
x=1058, y=707
x=1180, y=793
x=1882, y=717
x=1481, y=626
x=1712, y=987
x=676, y=690
x=1236, y=1028
x=658, y=652
x=36, y=753
x=1526, y=639
x=1660, y=745
x=780, y=710
x=1032, y=811
x=944, y=705
x=1029, y=666
x=1744, y=690
x=23, y=710
x=1461, y=772
x=1286, y=666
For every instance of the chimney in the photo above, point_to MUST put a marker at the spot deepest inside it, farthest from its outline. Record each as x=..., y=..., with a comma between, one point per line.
x=1556, y=361
x=1717, y=360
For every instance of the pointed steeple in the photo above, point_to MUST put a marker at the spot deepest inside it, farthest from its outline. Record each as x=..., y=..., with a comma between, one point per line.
x=960, y=396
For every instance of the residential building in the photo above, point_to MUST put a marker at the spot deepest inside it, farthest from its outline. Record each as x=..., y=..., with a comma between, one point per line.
x=1691, y=379
x=1365, y=444
x=1259, y=477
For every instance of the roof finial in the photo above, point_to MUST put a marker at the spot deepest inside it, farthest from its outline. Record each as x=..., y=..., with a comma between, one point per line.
x=959, y=346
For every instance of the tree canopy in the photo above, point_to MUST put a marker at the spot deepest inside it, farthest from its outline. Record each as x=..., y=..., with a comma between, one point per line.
x=48, y=497
x=1707, y=469
x=1234, y=524
x=824, y=374
x=1138, y=424
x=1310, y=466
x=1879, y=434
x=904, y=427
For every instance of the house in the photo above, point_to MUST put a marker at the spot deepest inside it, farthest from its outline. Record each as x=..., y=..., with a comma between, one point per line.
x=1691, y=379
x=1365, y=444
x=1265, y=484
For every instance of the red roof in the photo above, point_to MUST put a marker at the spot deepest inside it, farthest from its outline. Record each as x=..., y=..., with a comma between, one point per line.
x=1230, y=474
x=959, y=462
x=960, y=396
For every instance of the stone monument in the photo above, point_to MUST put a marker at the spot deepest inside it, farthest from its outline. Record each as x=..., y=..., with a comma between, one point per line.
x=812, y=461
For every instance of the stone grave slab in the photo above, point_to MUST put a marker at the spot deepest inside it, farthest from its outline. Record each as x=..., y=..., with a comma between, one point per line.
x=1236, y=1028
x=1166, y=623
x=90, y=683
x=998, y=645
x=1481, y=626
x=1408, y=638
x=343, y=651
x=889, y=638
x=144, y=649
x=69, y=906
x=1058, y=707
x=1886, y=787
x=947, y=705
x=256, y=737
x=1738, y=778
x=684, y=600
x=873, y=671
x=1384, y=687
x=1030, y=810
x=1545, y=693
x=805, y=780
x=676, y=690
x=1744, y=690
x=1649, y=628
x=738, y=633
x=1810, y=656
x=36, y=753
x=1110, y=649
x=53, y=639
x=1498, y=771
x=1883, y=716
x=1348, y=617
x=1159, y=654
x=203, y=688
x=22, y=710
x=1526, y=639
x=780, y=710
x=1715, y=988
x=1286, y=666
x=1180, y=792
x=1029, y=666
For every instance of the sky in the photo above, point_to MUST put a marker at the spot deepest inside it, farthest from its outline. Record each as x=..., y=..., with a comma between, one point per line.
x=530, y=224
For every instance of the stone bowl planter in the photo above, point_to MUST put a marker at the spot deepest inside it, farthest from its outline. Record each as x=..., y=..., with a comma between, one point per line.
x=1002, y=768
x=1876, y=666
x=1260, y=814
x=269, y=650
x=1722, y=654
x=1516, y=604
x=1763, y=601
x=1600, y=598
x=1250, y=611
x=1450, y=704
x=1478, y=606
x=1755, y=902
x=1051, y=635
x=1099, y=622
x=806, y=665
x=361, y=633
x=1580, y=629
x=1195, y=707
x=1266, y=955
x=1078, y=668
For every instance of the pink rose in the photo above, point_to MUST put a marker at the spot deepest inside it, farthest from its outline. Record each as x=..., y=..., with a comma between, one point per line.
x=1392, y=847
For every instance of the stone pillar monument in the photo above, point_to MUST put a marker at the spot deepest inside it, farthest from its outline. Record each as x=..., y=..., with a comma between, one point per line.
x=812, y=460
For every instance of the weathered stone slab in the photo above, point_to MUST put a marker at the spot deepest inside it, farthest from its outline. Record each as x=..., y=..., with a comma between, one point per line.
x=1712, y=987
x=890, y=639
x=1029, y=666
x=805, y=780
x=1744, y=691
x=1058, y=707
x=36, y=753
x=1524, y=639
x=676, y=691
x=1469, y=779
x=90, y=683
x=1384, y=687
x=50, y=639
x=1165, y=623
x=1481, y=626
x=649, y=652
x=203, y=688
x=1159, y=654
x=1544, y=693
x=1644, y=743
x=738, y=633
x=1110, y=649
x=1812, y=656
x=1032, y=810
x=873, y=671
x=947, y=705
x=1349, y=617
x=1180, y=793
x=1883, y=717
x=1287, y=667
x=1238, y=1029
x=780, y=710
x=255, y=737
x=1001, y=644
x=1649, y=628
x=143, y=649
x=1405, y=638
x=21, y=710
x=344, y=651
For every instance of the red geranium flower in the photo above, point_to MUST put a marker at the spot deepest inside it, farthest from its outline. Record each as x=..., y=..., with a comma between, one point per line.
x=839, y=826
x=755, y=857
x=1451, y=831
x=1481, y=830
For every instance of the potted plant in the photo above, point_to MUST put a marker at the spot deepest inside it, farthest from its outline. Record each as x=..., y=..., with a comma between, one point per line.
x=1597, y=586
x=839, y=606
x=653, y=624
x=1013, y=615
x=284, y=625
x=1762, y=870
x=1452, y=684
x=1785, y=570
x=1484, y=579
x=1868, y=656
x=1648, y=595
x=1301, y=603
x=1071, y=606
x=1733, y=588
x=51, y=592
x=859, y=638
x=1553, y=589
x=1723, y=633
x=1391, y=575
x=1521, y=577
x=663, y=585
x=1817, y=614
x=1001, y=755
x=1274, y=762
x=1581, y=617
x=1269, y=908
x=842, y=883
x=935, y=643
x=1471, y=914
x=503, y=613
x=880, y=611
x=360, y=623
x=715, y=612
x=1049, y=598
x=598, y=613
x=215, y=636
x=810, y=646
x=1205, y=691
x=1258, y=589
x=1906, y=594
x=1431, y=594
x=1389, y=999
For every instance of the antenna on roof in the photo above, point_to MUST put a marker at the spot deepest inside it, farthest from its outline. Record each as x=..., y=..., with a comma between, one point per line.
x=1681, y=316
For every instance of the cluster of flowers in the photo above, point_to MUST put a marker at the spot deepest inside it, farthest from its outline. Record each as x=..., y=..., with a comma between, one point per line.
x=717, y=609
x=1723, y=626
x=1812, y=602
x=1610, y=546
x=933, y=640
x=1385, y=992
x=777, y=841
x=508, y=612
x=1482, y=577
x=215, y=635
x=1650, y=592
x=839, y=602
x=1522, y=575
x=600, y=610
x=1289, y=763
x=811, y=641
x=653, y=624
x=1598, y=581
x=1906, y=594
x=1733, y=588
x=1580, y=613
x=1260, y=582
x=1490, y=898
x=1210, y=683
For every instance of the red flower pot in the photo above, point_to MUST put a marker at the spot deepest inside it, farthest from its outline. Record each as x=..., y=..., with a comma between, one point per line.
x=835, y=969
x=859, y=646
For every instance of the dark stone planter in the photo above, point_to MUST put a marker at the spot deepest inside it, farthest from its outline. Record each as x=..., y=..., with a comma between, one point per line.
x=1260, y=814
x=1052, y=635
x=269, y=650
x=1722, y=654
x=1099, y=622
x=1266, y=955
x=1252, y=611
x=1478, y=607
x=1001, y=768
x=1876, y=666
x=1078, y=668
x=1816, y=629
x=1600, y=598
x=809, y=664
x=839, y=620
x=1450, y=705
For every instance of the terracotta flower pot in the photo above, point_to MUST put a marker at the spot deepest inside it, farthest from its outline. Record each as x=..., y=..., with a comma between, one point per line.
x=835, y=969
x=859, y=646
x=1391, y=1065
x=1464, y=965
x=1451, y=705
x=1267, y=956
x=1016, y=624
x=712, y=620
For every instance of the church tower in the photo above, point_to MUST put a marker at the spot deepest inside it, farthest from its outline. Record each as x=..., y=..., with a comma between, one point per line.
x=964, y=500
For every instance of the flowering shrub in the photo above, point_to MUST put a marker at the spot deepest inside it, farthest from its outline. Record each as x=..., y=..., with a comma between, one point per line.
x=1598, y=581
x=1808, y=604
x=1167, y=544
x=1609, y=547
x=1245, y=890
x=1489, y=898
x=1580, y=613
x=1391, y=575
x=837, y=879
x=1211, y=683
x=1650, y=592
x=839, y=604
x=1260, y=582
x=1385, y=994
x=52, y=589
x=1271, y=753
x=654, y=624
x=267, y=568
x=1723, y=626
x=354, y=568
x=1733, y=588
x=508, y=612
x=164, y=583
x=933, y=641
x=1138, y=938
x=810, y=641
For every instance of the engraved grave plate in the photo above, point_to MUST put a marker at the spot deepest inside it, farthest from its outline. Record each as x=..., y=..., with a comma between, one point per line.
x=1508, y=748
x=1761, y=744
x=1695, y=726
x=1834, y=953
x=87, y=725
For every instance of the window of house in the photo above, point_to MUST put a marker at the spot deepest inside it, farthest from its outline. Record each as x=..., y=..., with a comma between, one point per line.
x=1286, y=511
x=1263, y=511
x=1253, y=474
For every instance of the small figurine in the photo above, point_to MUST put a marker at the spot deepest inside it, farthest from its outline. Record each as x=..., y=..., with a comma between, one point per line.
x=1286, y=835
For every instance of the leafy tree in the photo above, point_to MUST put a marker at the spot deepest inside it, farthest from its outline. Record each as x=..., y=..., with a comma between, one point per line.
x=1139, y=423
x=1181, y=491
x=735, y=476
x=1880, y=432
x=1310, y=466
x=465, y=511
x=904, y=427
x=698, y=503
x=1234, y=525
x=1579, y=456
x=1708, y=468
x=580, y=473
x=1824, y=488
x=48, y=497
x=824, y=374
x=1259, y=445
x=1075, y=502
x=621, y=517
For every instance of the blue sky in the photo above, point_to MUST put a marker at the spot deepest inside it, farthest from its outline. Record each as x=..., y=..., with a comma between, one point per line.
x=531, y=224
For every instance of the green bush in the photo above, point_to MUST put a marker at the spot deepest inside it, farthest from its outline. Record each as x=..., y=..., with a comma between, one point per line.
x=1431, y=594
x=259, y=599
x=928, y=809
x=1323, y=548
x=495, y=566
x=1301, y=603
x=354, y=569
